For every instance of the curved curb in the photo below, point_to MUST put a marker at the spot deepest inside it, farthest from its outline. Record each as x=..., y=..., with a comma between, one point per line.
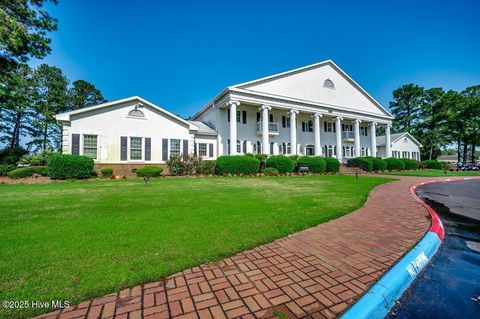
x=380, y=298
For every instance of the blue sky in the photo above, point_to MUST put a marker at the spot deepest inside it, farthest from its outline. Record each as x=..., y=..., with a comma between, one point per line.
x=180, y=54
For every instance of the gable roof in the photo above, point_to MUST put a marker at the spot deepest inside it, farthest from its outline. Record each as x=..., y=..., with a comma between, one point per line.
x=249, y=84
x=204, y=128
x=66, y=116
x=395, y=137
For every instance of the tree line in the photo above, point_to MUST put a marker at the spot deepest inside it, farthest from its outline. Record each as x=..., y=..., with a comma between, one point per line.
x=29, y=98
x=439, y=118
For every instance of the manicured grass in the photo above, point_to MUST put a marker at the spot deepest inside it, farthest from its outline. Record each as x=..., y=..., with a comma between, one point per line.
x=433, y=173
x=78, y=240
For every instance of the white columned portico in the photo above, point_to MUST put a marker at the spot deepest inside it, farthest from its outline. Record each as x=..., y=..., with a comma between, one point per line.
x=233, y=125
x=318, y=146
x=357, y=137
x=338, y=131
x=373, y=137
x=388, y=148
x=293, y=131
x=265, y=125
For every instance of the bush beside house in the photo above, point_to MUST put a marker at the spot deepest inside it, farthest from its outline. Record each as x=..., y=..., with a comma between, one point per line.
x=270, y=171
x=364, y=163
x=107, y=172
x=65, y=166
x=433, y=164
x=410, y=164
x=281, y=163
x=245, y=165
x=394, y=164
x=149, y=171
x=205, y=167
x=316, y=164
x=28, y=171
x=333, y=165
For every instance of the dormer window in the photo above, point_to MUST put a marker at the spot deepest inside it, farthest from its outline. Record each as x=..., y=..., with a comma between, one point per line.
x=136, y=113
x=328, y=84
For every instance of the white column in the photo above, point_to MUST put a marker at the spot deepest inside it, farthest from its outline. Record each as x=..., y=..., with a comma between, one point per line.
x=357, y=138
x=388, y=148
x=233, y=126
x=293, y=131
x=338, y=130
x=265, y=124
x=373, y=137
x=318, y=146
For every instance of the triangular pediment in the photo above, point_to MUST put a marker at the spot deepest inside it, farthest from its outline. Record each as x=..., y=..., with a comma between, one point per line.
x=320, y=83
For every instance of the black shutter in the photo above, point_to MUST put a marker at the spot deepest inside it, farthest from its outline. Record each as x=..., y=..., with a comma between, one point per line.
x=185, y=147
x=195, y=148
x=75, y=144
x=123, y=148
x=228, y=115
x=334, y=125
x=244, y=147
x=148, y=149
x=244, y=117
x=228, y=146
x=324, y=126
x=258, y=116
x=366, y=130
x=303, y=126
x=284, y=121
x=164, y=149
x=210, y=150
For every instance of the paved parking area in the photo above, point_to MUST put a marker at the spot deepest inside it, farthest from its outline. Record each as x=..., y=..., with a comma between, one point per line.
x=315, y=273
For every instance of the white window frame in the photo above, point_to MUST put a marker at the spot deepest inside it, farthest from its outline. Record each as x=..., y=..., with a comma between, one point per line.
x=96, y=146
x=170, y=154
x=130, y=148
x=200, y=149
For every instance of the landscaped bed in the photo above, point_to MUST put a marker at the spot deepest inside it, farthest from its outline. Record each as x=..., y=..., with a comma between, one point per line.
x=77, y=240
x=434, y=173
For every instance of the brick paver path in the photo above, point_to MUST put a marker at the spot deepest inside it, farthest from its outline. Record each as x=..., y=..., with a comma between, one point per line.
x=315, y=273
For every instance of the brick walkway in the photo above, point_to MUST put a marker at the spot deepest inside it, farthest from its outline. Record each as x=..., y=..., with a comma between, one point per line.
x=315, y=273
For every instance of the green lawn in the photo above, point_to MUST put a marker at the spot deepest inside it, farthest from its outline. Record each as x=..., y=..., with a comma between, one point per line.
x=434, y=173
x=77, y=240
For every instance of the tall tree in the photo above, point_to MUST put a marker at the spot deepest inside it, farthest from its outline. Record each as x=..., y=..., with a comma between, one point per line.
x=83, y=94
x=50, y=98
x=471, y=118
x=406, y=106
x=23, y=31
x=15, y=105
x=454, y=131
x=432, y=122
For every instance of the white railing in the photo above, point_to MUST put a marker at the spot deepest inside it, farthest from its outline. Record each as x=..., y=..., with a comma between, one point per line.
x=272, y=127
x=348, y=134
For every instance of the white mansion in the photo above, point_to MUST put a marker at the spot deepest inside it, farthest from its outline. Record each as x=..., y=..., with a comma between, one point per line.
x=314, y=110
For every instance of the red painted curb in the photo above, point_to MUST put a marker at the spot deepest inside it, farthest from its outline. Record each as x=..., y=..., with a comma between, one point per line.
x=437, y=226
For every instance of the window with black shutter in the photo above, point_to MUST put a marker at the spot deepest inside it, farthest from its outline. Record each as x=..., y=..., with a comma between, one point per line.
x=75, y=144
x=270, y=118
x=123, y=148
x=284, y=121
x=244, y=117
x=164, y=149
x=185, y=147
x=258, y=116
x=303, y=126
x=325, y=126
x=228, y=115
x=148, y=149
x=210, y=150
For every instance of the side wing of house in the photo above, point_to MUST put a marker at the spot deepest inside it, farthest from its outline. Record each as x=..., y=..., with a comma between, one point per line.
x=406, y=147
x=128, y=131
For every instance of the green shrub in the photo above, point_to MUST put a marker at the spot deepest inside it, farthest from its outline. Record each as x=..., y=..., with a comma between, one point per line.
x=333, y=165
x=379, y=165
x=294, y=158
x=5, y=168
x=28, y=171
x=107, y=172
x=434, y=164
x=316, y=164
x=261, y=157
x=35, y=159
x=364, y=163
x=149, y=171
x=245, y=165
x=65, y=166
x=11, y=156
x=394, y=164
x=271, y=171
x=182, y=165
x=410, y=164
x=282, y=163
x=205, y=167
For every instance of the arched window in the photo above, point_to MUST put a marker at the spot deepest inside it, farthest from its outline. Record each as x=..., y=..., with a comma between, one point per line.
x=310, y=126
x=259, y=147
x=136, y=113
x=289, y=148
x=310, y=150
x=328, y=84
x=330, y=151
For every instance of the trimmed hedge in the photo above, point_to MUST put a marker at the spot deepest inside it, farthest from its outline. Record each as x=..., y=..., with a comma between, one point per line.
x=149, y=171
x=281, y=163
x=65, y=166
x=206, y=167
x=333, y=165
x=28, y=171
x=5, y=168
x=379, y=165
x=245, y=165
x=316, y=164
x=410, y=164
x=433, y=164
x=364, y=163
x=270, y=171
x=107, y=172
x=394, y=164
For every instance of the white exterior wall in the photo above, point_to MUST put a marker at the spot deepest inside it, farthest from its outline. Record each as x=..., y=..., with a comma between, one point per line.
x=207, y=139
x=401, y=145
x=110, y=123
